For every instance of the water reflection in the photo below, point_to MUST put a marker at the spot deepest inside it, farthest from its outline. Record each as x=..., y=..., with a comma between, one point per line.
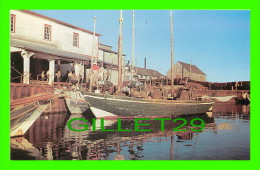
x=226, y=136
x=230, y=110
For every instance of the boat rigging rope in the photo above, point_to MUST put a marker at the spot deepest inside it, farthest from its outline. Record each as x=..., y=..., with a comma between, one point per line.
x=16, y=71
x=20, y=73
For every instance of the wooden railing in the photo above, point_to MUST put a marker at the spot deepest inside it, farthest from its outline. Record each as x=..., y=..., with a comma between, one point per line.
x=20, y=90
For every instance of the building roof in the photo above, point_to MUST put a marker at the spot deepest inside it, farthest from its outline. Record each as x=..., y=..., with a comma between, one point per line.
x=148, y=72
x=194, y=69
x=39, y=48
x=105, y=45
x=58, y=21
x=107, y=48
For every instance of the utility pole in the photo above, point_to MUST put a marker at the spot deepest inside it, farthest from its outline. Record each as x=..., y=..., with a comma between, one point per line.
x=120, y=52
x=172, y=54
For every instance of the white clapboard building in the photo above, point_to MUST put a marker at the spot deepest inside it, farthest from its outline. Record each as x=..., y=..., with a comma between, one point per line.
x=40, y=43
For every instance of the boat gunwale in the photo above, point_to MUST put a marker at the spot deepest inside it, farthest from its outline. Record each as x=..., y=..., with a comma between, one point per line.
x=141, y=100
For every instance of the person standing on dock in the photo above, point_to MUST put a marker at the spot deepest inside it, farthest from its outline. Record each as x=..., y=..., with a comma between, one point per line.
x=69, y=76
x=74, y=78
x=42, y=76
x=93, y=76
x=58, y=75
x=48, y=75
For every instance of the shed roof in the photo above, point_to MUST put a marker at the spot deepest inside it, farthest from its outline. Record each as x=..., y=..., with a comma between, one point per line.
x=194, y=69
x=148, y=72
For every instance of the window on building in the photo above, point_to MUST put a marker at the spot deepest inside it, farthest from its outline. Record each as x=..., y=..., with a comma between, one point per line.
x=12, y=23
x=75, y=39
x=47, y=32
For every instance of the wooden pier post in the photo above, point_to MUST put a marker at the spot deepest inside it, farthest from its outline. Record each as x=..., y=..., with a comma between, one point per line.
x=172, y=54
x=26, y=66
x=120, y=52
x=51, y=71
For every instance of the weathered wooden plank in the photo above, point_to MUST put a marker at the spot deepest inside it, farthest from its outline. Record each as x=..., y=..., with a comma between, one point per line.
x=38, y=97
x=20, y=127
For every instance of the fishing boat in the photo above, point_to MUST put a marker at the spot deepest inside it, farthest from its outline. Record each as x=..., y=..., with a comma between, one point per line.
x=130, y=106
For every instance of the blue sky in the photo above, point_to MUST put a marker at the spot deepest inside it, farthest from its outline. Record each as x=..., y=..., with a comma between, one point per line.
x=217, y=41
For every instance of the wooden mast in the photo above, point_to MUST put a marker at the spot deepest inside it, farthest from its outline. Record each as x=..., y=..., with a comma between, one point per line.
x=120, y=52
x=133, y=45
x=172, y=54
x=93, y=47
x=92, y=56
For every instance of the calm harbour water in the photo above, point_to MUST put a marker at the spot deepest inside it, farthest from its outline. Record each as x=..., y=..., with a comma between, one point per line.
x=225, y=137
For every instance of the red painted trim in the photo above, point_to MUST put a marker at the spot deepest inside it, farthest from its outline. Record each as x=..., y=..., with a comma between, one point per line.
x=14, y=16
x=77, y=34
x=60, y=22
x=46, y=25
